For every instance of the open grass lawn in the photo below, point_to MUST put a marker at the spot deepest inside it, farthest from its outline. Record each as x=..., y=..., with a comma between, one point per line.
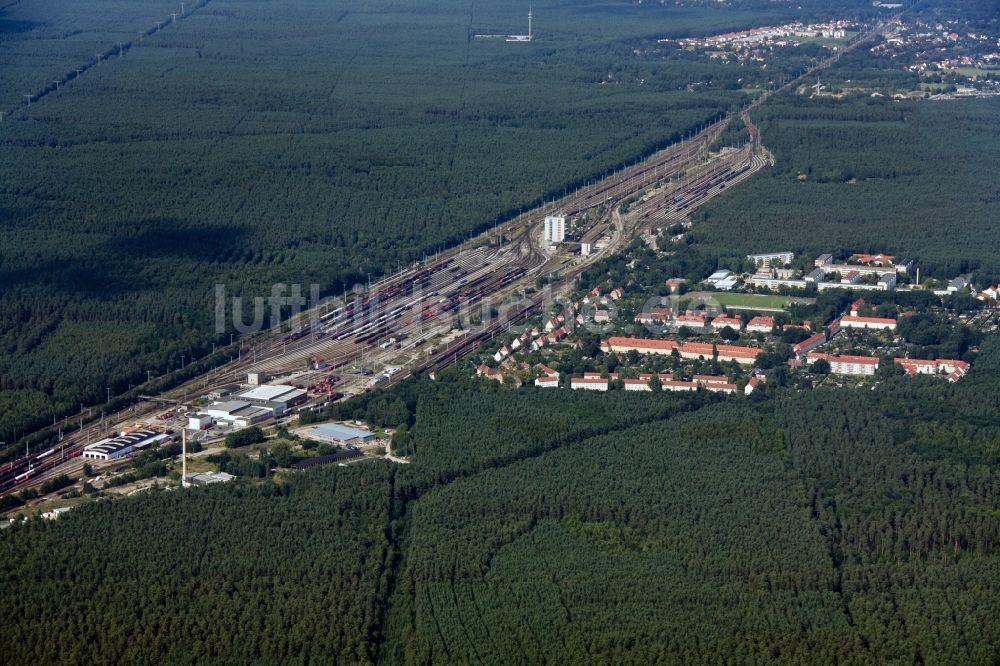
x=749, y=301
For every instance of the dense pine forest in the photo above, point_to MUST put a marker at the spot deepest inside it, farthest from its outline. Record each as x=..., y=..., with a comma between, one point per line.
x=246, y=144
x=243, y=145
x=903, y=177
x=844, y=526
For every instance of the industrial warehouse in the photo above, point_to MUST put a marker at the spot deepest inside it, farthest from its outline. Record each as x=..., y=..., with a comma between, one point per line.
x=238, y=413
x=278, y=398
x=116, y=447
x=251, y=407
x=341, y=434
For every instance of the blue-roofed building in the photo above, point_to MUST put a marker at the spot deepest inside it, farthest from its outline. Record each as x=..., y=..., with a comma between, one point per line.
x=342, y=434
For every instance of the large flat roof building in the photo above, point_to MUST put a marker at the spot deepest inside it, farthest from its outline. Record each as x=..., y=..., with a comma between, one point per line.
x=342, y=434
x=278, y=398
x=208, y=478
x=238, y=413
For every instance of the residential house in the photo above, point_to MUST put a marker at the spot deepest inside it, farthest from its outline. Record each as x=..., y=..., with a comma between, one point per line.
x=846, y=365
x=636, y=385
x=691, y=320
x=953, y=369
x=487, y=372
x=547, y=381
x=655, y=315
x=815, y=275
x=807, y=345
x=722, y=321
x=874, y=259
x=850, y=277
x=772, y=258
x=760, y=325
x=589, y=383
x=871, y=323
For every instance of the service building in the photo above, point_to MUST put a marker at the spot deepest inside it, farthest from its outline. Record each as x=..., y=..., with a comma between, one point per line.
x=116, y=447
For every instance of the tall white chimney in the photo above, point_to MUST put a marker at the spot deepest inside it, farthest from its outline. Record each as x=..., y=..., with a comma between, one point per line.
x=184, y=457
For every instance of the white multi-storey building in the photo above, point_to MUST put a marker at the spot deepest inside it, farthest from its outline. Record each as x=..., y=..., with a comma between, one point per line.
x=555, y=228
x=589, y=383
x=846, y=365
x=877, y=323
x=772, y=258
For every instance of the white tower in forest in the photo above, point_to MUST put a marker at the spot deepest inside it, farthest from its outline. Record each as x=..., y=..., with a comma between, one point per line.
x=184, y=457
x=522, y=38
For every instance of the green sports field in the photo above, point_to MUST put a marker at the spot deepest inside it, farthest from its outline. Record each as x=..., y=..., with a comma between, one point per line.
x=750, y=301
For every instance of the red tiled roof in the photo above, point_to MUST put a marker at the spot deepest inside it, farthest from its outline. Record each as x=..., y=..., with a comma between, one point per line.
x=641, y=343
x=646, y=376
x=859, y=360
x=699, y=348
x=703, y=348
x=711, y=379
x=733, y=350
x=809, y=342
x=588, y=380
x=761, y=321
x=938, y=362
x=866, y=320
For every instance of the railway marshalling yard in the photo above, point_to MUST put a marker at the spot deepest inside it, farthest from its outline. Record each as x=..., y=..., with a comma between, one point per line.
x=436, y=311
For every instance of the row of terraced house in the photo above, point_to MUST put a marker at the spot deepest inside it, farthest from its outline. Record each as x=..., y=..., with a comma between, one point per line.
x=595, y=381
